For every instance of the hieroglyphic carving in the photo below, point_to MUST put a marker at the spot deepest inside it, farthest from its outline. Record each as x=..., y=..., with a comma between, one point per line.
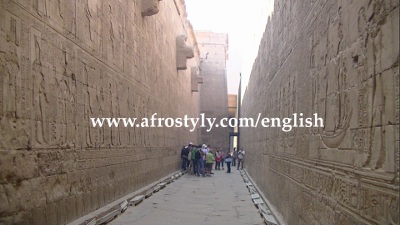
x=382, y=90
x=40, y=90
x=13, y=132
x=376, y=205
x=88, y=16
x=286, y=101
x=57, y=92
x=10, y=66
x=374, y=150
x=353, y=160
x=66, y=104
x=133, y=110
x=63, y=124
x=290, y=108
x=93, y=97
x=337, y=118
x=115, y=110
x=13, y=31
x=38, y=6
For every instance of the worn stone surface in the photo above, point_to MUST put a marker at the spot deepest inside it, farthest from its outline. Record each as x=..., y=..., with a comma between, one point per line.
x=62, y=62
x=338, y=59
x=220, y=199
x=149, y=7
x=213, y=91
x=183, y=52
x=196, y=79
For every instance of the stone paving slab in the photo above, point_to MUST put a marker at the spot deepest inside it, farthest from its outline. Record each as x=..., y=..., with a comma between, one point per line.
x=220, y=199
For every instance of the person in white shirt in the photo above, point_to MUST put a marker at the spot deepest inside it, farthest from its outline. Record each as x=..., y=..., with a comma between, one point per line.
x=204, y=150
x=240, y=158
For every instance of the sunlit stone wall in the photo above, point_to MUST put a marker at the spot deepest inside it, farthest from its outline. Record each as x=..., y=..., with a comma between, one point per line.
x=62, y=62
x=339, y=59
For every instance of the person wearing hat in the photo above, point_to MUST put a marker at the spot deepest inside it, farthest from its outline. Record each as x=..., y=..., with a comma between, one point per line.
x=209, y=162
x=204, y=150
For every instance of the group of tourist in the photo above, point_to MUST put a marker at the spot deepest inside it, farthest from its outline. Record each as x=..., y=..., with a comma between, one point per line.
x=199, y=159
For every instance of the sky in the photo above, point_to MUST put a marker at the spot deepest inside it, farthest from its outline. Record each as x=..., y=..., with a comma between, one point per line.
x=243, y=20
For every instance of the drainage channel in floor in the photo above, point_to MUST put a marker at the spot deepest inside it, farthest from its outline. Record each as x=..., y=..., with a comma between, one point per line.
x=258, y=201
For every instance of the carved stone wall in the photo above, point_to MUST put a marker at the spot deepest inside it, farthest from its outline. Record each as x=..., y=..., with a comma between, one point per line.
x=62, y=62
x=213, y=91
x=339, y=59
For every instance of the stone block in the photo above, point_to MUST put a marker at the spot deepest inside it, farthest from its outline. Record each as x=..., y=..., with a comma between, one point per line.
x=150, y=7
x=269, y=219
x=183, y=52
x=258, y=201
x=162, y=185
x=107, y=216
x=136, y=200
x=123, y=206
x=156, y=188
x=254, y=196
x=149, y=192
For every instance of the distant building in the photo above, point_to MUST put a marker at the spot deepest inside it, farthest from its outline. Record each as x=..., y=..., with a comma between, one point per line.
x=214, y=94
x=232, y=111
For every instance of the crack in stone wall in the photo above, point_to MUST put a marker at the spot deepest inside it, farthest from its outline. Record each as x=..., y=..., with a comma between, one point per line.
x=62, y=62
x=339, y=59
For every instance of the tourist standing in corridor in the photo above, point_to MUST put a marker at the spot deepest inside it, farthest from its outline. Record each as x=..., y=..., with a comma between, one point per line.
x=234, y=153
x=209, y=162
x=240, y=157
x=228, y=161
x=184, y=155
x=194, y=161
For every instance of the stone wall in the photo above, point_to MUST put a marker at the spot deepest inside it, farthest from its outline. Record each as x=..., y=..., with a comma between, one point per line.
x=62, y=62
x=232, y=112
x=214, y=91
x=232, y=105
x=339, y=59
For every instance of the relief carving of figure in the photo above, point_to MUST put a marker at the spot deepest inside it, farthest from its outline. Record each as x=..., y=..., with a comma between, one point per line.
x=337, y=110
x=41, y=90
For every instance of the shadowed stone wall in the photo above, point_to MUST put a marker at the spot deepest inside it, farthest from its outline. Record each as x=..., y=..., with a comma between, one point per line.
x=214, y=91
x=62, y=62
x=338, y=59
